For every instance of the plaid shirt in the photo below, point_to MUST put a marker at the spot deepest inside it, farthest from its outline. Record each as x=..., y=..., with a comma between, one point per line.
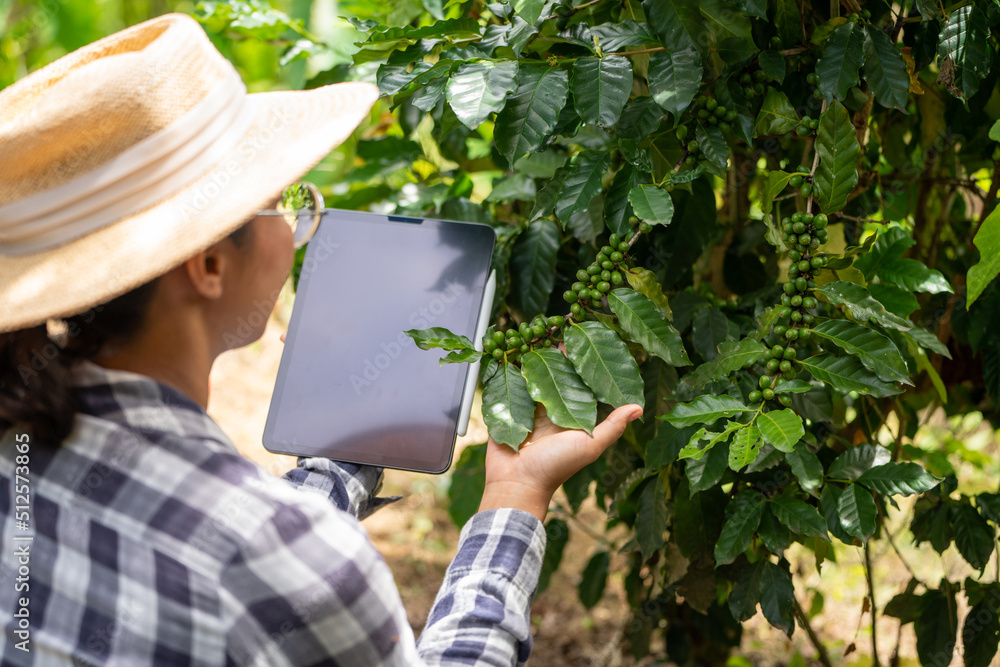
x=154, y=541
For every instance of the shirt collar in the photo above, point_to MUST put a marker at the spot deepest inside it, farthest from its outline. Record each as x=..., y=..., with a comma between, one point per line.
x=140, y=403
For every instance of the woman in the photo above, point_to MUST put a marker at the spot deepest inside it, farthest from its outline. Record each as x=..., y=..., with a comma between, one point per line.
x=133, y=533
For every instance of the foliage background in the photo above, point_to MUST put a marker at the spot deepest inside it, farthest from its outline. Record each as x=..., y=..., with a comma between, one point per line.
x=931, y=169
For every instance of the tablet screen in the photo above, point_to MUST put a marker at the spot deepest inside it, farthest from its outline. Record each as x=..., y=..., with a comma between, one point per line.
x=351, y=386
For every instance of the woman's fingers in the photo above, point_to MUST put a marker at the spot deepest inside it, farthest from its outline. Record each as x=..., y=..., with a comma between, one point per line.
x=609, y=430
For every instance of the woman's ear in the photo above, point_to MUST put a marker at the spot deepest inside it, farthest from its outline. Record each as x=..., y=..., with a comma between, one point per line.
x=206, y=270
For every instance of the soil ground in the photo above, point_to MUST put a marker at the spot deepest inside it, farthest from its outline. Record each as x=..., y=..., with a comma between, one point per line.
x=417, y=539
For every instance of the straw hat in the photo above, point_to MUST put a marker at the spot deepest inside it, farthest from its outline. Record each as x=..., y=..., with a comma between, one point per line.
x=121, y=160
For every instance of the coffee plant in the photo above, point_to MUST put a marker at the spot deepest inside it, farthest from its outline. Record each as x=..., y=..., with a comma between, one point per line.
x=769, y=222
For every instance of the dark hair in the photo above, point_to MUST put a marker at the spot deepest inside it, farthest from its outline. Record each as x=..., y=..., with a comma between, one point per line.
x=36, y=389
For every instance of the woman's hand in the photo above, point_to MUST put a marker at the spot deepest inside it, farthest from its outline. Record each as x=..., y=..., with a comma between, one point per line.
x=528, y=478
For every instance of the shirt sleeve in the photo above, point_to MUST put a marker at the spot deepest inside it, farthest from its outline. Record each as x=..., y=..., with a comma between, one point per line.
x=482, y=613
x=309, y=588
x=350, y=487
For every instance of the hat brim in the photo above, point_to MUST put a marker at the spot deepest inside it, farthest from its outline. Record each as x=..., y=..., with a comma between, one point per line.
x=291, y=132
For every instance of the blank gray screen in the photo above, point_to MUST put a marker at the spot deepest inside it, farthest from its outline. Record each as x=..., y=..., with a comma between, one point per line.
x=351, y=386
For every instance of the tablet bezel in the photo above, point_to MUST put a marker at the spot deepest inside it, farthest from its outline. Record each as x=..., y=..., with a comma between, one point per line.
x=466, y=380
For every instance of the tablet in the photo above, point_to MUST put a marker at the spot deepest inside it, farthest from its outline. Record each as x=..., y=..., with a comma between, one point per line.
x=351, y=385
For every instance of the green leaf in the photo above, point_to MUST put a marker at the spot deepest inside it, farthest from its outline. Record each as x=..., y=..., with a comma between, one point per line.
x=644, y=281
x=856, y=461
x=582, y=182
x=713, y=147
x=556, y=537
x=645, y=325
x=533, y=266
x=981, y=634
x=987, y=240
x=615, y=36
x=439, y=337
x=742, y=518
x=465, y=356
x=674, y=79
x=703, y=440
x=838, y=150
x=885, y=70
x=914, y=276
x=781, y=428
x=857, y=512
x=529, y=10
x=639, y=119
x=843, y=54
x=775, y=536
x=847, y=374
x=928, y=341
x=652, y=204
x=617, y=209
x=989, y=505
x=744, y=448
x=651, y=519
x=594, y=579
x=508, y=410
x=604, y=363
x=896, y=300
x=745, y=596
x=800, y=517
x=874, y=350
x=777, y=115
x=773, y=64
x=468, y=480
x=531, y=111
x=518, y=187
x=697, y=519
x=899, y=479
x=705, y=473
x=553, y=382
x=776, y=182
x=733, y=355
x=793, y=387
x=936, y=627
x=706, y=409
x=889, y=246
x=806, y=467
x=863, y=307
x=678, y=24
x=730, y=30
x=788, y=21
x=478, y=89
x=963, y=51
x=709, y=329
x=601, y=87
x=777, y=597
x=973, y=535
x=828, y=501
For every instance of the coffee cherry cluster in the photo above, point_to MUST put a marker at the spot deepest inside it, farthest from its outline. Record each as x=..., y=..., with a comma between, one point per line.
x=709, y=112
x=753, y=84
x=603, y=275
x=804, y=233
x=801, y=180
x=541, y=331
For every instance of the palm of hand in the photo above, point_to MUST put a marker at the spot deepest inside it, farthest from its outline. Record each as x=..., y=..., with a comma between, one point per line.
x=552, y=454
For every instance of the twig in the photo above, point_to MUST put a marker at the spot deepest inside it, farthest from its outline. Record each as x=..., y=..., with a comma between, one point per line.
x=990, y=196
x=636, y=53
x=871, y=599
x=892, y=542
x=857, y=219
x=800, y=614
